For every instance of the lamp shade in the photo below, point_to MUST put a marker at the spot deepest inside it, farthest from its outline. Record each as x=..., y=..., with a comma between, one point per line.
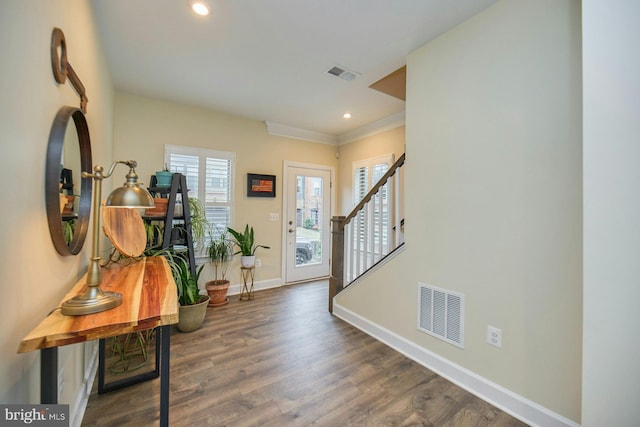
x=130, y=196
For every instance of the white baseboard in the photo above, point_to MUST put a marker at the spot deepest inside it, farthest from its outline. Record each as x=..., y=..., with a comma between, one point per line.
x=502, y=398
x=257, y=286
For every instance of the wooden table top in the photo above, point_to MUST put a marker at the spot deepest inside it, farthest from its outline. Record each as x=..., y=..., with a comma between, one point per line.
x=149, y=299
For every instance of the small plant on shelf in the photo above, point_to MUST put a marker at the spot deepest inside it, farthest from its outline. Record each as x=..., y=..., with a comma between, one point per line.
x=163, y=177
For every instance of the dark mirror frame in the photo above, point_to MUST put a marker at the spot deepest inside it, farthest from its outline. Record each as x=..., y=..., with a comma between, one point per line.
x=52, y=180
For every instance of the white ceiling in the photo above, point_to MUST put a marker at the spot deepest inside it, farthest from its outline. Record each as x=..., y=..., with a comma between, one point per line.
x=268, y=59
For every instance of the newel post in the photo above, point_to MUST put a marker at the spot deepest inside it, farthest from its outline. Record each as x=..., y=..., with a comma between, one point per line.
x=337, y=258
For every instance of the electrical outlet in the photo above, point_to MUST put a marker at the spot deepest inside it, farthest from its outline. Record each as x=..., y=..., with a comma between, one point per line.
x=258, y=262
x=494, y=336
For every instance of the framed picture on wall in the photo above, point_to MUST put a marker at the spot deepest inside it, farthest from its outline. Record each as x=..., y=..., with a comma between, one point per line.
x=261, y=185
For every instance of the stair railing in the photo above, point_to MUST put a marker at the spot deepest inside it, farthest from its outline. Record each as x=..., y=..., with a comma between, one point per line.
x=371, y=232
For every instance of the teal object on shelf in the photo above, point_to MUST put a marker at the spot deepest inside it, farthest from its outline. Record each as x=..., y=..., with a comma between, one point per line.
x=163, y=178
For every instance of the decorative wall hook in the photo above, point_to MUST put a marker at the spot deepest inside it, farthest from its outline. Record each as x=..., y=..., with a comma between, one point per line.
x=63, y=69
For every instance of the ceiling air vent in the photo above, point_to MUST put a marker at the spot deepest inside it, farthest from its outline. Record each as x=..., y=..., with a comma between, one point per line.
x=343, y=73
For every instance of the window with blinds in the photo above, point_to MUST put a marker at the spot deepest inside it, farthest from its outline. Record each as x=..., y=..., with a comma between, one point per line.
x=209, y=178
x=366, y=173
x=360, y=182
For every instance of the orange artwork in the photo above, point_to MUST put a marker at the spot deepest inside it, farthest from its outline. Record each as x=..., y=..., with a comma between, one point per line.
x=262, y=186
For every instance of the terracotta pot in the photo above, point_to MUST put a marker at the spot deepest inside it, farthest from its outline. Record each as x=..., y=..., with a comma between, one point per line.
x=160, y=209
x=192, y=316
x=217, y=290
x=67, y=203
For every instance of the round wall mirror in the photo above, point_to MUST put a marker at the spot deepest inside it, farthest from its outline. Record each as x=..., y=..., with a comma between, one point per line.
x=67, y=193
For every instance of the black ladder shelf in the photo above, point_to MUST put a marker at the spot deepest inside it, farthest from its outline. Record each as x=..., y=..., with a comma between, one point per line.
x=177, y=228
x=177, y=231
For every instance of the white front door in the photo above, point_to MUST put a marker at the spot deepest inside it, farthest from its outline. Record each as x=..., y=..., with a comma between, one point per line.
x=307, y=222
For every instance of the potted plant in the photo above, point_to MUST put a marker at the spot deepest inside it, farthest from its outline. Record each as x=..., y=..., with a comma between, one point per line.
x=68, y=228
x=199, y=221
x=66, y=201
x=247, y=248
x=163, y=177
x=220, y=251
x=193, y=306
x=154, y=230
x=160, y=208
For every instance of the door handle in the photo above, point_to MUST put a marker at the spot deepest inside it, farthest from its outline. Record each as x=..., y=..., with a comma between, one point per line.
x=291, y=230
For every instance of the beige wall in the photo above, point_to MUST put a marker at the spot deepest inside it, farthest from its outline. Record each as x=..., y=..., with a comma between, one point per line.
x=144, y=125
x=34, y=277
x=387, y=142
x=497, y=218
x=493, y=128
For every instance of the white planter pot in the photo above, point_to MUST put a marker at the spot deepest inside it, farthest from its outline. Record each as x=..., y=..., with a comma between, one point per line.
x=248, y=261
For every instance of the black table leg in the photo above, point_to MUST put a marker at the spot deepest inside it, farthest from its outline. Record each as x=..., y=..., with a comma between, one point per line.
x=101, y=365
x=165, y=332
x=49, y=375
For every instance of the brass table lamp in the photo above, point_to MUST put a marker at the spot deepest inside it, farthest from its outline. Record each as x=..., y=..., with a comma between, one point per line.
x=131, y=195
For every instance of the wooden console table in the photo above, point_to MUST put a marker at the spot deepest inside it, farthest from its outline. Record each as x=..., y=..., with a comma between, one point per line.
x=149, y=300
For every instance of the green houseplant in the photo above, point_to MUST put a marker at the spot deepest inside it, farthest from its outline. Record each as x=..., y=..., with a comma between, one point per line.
x=68, y=228
x=199, y=221
x=246, y=246
x=220, y=251
x=187, y=283
x=153, y=231
x=193, y=306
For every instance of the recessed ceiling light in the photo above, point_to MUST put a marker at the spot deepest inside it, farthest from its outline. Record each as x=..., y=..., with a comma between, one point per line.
x=199, y=6
x=347, y=115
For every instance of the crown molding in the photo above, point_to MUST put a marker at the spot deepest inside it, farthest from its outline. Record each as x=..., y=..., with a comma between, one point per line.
x=279, y=129
x=387, y=123
x=390, y=122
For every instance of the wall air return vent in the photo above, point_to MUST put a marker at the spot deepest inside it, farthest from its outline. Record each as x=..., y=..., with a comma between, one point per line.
x=441, y=314
x=343, y=73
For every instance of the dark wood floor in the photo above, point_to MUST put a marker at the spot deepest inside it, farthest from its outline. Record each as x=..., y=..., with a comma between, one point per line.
x=283, y=360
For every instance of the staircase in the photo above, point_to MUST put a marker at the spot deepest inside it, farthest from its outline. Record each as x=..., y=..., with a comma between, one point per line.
x=370, y=233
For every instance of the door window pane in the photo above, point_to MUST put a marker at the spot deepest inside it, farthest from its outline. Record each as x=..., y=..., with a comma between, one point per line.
x=309, y=218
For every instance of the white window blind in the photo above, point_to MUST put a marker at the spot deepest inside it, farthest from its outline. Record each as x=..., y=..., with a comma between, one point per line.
x=209, y=179
x=360, y=182
x=366, y=173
